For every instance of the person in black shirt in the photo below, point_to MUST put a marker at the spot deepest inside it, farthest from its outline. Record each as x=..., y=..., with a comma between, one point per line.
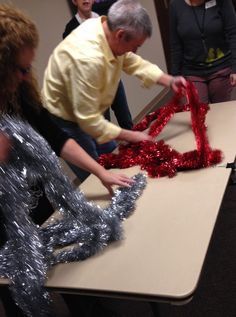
x=83, y=12
x=203, y=46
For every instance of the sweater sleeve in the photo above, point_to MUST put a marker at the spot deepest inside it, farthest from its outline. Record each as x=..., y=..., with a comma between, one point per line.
x=40, y=120
x=147, y=72
x=176, y=49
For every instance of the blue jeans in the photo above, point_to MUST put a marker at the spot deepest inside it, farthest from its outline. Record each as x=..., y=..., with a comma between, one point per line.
x=121, y=109
x=85, y=141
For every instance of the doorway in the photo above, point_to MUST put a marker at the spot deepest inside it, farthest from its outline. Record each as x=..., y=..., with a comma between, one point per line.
x=162, y=10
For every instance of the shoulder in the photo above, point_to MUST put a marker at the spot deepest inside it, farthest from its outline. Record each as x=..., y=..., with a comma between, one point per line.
x=84, y=42
x=94, y=14
x=224, y=3
x=226, y=7
x=219, y=2
x=89, y=31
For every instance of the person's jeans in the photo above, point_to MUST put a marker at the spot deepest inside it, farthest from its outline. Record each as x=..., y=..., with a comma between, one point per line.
x=121, y=109
x=85, y=141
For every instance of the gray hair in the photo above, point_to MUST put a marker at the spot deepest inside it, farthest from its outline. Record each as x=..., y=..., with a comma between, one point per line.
x=130, y=16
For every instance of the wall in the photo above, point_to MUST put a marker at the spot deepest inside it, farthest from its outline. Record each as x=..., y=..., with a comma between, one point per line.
x=51, y=16
x=152, y=50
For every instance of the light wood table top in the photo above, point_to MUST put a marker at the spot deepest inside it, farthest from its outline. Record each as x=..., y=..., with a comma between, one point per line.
x=167, y=237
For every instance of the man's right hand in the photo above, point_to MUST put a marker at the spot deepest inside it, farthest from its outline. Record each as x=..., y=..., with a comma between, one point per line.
x=134, y=136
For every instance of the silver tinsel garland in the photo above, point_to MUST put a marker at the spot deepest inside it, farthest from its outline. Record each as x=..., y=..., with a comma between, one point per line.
x=83, y=226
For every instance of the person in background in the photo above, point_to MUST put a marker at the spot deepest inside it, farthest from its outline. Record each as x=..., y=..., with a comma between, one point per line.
x=119, y=104
x=83, y=12
x=203, y=46
x=84, y=71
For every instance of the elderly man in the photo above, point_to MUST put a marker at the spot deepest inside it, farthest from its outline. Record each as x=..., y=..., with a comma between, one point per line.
x=84, y=71
x=119, y=105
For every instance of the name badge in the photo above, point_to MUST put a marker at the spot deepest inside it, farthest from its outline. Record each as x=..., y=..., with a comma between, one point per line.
x=210, y=4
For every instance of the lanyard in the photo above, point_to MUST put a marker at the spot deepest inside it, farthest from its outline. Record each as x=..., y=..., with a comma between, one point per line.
x=201, y=26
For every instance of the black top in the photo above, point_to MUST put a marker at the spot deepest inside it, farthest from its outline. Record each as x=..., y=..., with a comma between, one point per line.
x=203, y=38
x=70, y=26
x=39, y=119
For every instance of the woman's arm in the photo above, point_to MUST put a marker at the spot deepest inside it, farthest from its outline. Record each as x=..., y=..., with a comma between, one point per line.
x=68, y=149
x=5, y=145
x=75, y=154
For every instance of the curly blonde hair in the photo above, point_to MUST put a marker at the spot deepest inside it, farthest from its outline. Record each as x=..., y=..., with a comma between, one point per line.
x=17, y=31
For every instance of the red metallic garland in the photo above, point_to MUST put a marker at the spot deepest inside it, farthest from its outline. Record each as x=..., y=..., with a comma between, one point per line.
x=158, y=158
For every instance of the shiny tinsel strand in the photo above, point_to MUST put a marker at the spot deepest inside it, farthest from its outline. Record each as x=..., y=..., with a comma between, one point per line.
x=83, y=227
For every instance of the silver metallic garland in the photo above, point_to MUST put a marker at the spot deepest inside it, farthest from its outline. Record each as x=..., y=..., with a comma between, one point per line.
x=83, y=226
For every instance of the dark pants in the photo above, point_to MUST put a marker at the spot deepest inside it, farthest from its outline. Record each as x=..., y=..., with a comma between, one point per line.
x=85, y=141
x=121, y=109
x=215, y=87
x=124, y=119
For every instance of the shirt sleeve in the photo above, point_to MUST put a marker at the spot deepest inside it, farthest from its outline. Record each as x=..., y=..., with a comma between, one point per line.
x=176, y=49
x=147, y=72
x=40, y=120
x=86, y=95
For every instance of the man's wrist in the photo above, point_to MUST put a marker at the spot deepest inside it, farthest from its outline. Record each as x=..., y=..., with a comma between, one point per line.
x=172, y=80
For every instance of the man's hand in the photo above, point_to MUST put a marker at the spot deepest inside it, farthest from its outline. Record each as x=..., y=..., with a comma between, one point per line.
x=178, y=84
x=134, y=136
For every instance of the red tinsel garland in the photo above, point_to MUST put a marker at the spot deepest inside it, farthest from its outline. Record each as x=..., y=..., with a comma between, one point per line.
x=158, y=158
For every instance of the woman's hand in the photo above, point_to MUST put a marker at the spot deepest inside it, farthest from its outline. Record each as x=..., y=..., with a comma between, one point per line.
x=108, y=179
x=233, y=80
x=75, y=154
x=5, y=146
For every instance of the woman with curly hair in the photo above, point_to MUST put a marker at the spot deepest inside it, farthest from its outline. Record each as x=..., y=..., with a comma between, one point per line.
x=20, y=97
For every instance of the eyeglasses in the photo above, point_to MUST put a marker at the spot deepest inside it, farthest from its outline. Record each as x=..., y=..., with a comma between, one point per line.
x=24, y=70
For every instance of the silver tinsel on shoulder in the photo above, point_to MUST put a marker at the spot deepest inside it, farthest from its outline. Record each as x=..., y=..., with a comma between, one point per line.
x=30, y=250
